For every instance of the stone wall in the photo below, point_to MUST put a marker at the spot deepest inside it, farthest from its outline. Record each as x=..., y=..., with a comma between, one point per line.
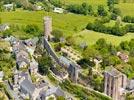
x=50, y=50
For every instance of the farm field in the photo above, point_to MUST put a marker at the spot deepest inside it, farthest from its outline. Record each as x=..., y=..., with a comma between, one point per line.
x=68, y=23
x=126, y=8
x=90, y=37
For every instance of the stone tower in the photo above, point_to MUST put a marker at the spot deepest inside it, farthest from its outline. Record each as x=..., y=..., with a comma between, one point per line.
x=115, y=83
x=47, y=26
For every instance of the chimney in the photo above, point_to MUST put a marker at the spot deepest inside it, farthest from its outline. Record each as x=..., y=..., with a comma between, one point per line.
x=47, y=26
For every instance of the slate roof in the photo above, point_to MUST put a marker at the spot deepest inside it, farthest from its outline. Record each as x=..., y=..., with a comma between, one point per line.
x=27, y=86
x=54, y=90
x=33, y=64
x=112, y=71
x=65, y=60
x=131, y=84
x=31, y=42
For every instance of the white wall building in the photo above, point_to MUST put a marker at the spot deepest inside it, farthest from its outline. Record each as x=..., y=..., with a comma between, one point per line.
x=58, y=10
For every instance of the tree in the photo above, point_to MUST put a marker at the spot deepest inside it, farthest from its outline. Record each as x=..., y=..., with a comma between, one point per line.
x=45, y=63
x=131, y=44
x=84, y=8
x=31, y=29
x=85, y=63
x=7, y=33
x=58, y=47
x=57, y=35
x=101, y=11
x=0, y=20
x=117, y=11
x=97, y=82
x=124, y=45
x=131, y=62
x=70, y=41
x=128, y=19
x=112, y=49
x=90, y=53
x=56, y=3
x=131, y=52
x=102, y=46
x=110, y=60
x=110, y=2
x=1, y=6
x=101, y=43
x=119, y=31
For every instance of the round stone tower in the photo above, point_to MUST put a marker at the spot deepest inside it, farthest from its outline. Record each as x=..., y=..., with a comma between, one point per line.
x=47, y=26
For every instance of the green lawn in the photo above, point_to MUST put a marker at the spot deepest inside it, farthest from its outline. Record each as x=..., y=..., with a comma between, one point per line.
x=91, y=37
x=126, y=8
x=69, y=23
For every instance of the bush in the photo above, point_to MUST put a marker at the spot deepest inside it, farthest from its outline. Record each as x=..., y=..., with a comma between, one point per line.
x=57, y=35
x=128, y=19
x=31, y=29
x=115, y=30
x=84, y=8
x=102, y=11
x=130, y=27
x=56, y=3
x=7, y=33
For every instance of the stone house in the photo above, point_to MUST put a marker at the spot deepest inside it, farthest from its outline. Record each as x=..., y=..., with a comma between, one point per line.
x=4, y=27
x=123, y=56
x=8, y=7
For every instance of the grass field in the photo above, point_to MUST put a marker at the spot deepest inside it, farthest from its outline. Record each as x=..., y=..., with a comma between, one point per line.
x=69, y=23
x=126, y=8
x=94, y=3
x=90, y=37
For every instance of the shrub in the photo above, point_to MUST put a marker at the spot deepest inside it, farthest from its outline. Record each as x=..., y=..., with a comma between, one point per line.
x=31, y=29
x=128, y=19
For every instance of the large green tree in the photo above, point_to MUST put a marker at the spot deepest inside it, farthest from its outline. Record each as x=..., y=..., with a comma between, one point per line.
x=90, y=53
x=101, y=11
x=45, y=63
x=57, y=35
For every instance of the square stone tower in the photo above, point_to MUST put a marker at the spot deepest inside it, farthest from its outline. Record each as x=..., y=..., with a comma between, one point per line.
x=47, y=26
x=115, y=83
